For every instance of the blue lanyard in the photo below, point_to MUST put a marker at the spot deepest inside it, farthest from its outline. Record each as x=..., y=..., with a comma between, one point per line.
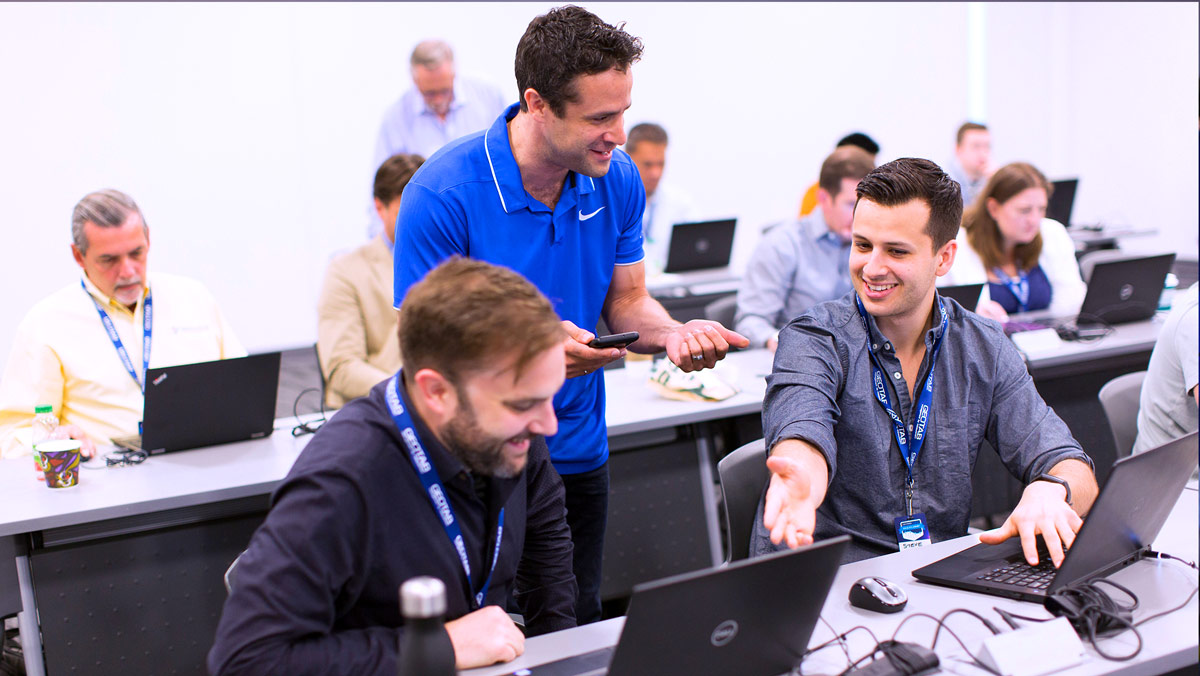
x=1019, y=287
x=147, y=330
x=437, y=495
x=909, y=450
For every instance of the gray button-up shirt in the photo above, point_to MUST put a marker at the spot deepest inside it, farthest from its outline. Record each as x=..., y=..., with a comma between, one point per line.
x=795, y=266
x=970, y=187
x=820, y=391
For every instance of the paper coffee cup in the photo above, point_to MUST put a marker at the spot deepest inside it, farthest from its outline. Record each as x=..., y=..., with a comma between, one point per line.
x=60, y=461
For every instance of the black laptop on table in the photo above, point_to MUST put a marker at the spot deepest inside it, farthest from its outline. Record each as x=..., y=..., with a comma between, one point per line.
x=1062, y=200
x=967, y=295
x=214, y=402
x=1126, y=517
x=700, y=246
x=1118, y=292
x=1125, y=290
x=751, y=618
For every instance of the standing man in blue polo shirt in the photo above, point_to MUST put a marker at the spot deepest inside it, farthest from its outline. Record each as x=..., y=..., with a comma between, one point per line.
x=545, y=191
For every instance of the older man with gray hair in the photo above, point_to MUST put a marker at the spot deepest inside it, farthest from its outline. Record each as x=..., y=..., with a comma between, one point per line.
x=439, y=108
x=84, y=350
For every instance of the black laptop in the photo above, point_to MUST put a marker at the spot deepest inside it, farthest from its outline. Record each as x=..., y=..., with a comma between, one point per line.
x=700, y=246
x=719, y=621
x=212, y=402
x=967, y=295
x=1118, y=292
x=1125, y=519
x=1126, y=290
x=1062, y=200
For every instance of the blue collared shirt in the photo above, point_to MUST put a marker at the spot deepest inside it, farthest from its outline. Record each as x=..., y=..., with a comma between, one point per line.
x=470, y=200
x=795, y=266
x=820, y=391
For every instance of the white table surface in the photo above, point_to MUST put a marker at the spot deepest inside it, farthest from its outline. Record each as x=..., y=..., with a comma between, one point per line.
x=1159, y=585
x=1124, y=339
x=231, y=471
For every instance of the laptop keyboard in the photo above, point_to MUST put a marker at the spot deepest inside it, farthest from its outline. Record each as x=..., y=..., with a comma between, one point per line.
x=1021, y=574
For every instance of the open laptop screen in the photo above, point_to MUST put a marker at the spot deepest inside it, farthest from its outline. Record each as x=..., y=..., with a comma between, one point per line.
x=700, y=246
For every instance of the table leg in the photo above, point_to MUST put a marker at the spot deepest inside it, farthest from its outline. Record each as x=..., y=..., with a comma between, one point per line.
x=712, y=519
x=27, y=621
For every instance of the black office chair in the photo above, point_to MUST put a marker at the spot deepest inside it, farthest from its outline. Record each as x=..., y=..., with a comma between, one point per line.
x=743, y=474
x=722, y=310
x=1121, y=398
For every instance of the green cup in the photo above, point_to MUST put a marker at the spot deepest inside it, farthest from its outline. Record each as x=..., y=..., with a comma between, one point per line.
x=60, y=461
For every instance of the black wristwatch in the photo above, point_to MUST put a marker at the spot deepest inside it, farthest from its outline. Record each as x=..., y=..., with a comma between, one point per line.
x=1062, y=482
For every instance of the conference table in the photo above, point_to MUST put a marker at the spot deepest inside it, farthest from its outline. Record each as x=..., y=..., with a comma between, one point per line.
x=1169, y=642
x=124, y=570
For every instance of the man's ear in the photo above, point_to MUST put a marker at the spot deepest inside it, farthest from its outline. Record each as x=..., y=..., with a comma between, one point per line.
x=436, y=392
x=945, y=257
x=824, y=200
x=537, y=106
x=77, y=254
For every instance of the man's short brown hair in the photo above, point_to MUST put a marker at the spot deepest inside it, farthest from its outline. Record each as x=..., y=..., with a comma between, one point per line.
x=394, y=174
x=466, y=314
x=563, y=44
x=909, y=178
x=968, y=126
x=646, y=132
x=845, y=162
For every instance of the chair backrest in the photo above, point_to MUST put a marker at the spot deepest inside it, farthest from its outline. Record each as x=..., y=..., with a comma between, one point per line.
x=722, y=310
x=231, y=573
x=1121, y=398
x=743, y=475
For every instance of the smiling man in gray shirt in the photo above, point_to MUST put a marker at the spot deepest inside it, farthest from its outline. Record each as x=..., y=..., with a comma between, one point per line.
x=801, y=263
x=878, y=402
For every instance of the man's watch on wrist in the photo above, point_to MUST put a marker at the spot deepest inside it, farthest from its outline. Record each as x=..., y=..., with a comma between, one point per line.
x=1058, y=480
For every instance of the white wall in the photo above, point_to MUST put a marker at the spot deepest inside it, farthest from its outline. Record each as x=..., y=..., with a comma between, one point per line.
x=245, y=131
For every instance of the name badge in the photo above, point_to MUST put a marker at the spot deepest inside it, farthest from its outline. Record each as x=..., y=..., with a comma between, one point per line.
x=912, y=532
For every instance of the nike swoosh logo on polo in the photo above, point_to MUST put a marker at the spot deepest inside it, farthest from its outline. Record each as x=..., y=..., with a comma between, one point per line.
x=584, y=217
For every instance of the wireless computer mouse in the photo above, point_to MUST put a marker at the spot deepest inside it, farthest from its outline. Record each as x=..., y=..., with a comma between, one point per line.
x=878, y=595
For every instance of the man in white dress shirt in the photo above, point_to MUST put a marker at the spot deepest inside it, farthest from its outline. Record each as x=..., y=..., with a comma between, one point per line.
x=665, y=206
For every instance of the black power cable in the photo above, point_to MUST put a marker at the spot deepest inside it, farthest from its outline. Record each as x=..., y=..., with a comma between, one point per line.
x=309, y=426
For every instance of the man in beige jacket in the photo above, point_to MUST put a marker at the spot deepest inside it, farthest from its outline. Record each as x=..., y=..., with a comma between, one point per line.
x=356, y=325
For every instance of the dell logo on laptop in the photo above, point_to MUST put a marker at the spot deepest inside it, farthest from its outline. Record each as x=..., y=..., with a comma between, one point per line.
x=1126, y=291
x=724, y=633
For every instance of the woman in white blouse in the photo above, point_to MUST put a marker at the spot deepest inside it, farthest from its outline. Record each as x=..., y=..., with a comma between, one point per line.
x=1025, y=260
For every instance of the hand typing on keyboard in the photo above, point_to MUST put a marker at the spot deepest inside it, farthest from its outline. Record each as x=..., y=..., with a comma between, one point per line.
x=1043, y=510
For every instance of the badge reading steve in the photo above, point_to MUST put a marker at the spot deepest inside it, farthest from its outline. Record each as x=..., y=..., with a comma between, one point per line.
x=911, y=531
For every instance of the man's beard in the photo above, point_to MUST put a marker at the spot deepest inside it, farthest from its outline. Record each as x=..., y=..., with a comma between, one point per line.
x=480, y=452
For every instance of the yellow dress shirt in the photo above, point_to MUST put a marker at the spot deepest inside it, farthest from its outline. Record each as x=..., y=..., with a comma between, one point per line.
x=62, y=357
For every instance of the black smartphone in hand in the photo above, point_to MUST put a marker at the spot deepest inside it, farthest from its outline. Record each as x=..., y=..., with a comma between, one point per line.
x=614, y=340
